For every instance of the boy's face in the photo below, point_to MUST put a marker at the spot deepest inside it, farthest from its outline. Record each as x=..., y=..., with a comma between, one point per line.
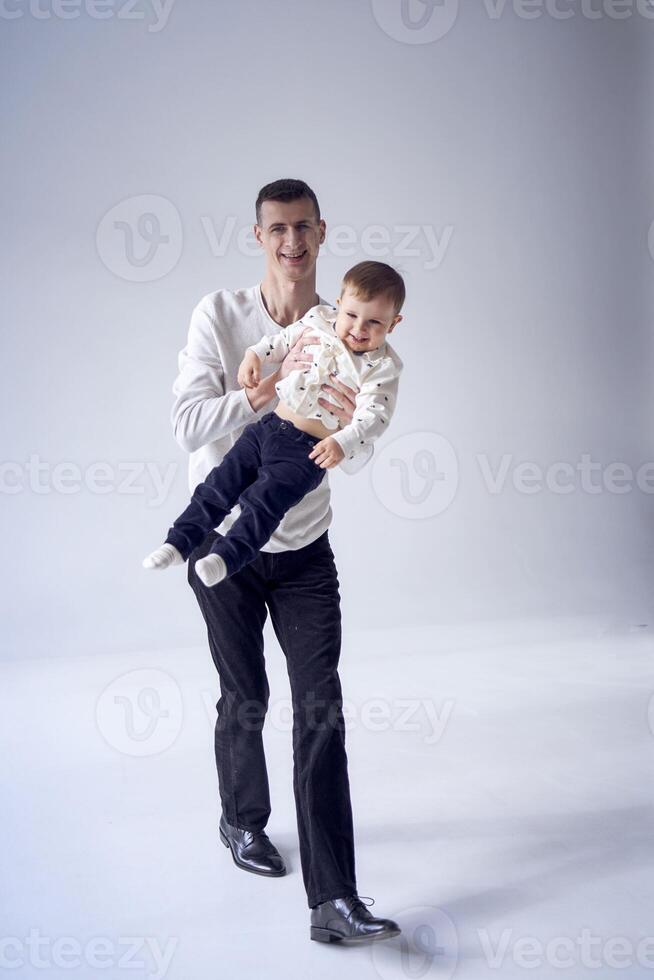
x=363, y=324
x=290, y=235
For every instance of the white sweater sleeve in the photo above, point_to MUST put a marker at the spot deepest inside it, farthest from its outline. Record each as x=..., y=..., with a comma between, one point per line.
x=202, y=410
x=373, y=408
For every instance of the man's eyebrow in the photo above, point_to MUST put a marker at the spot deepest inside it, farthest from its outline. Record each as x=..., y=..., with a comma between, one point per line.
x=282, y=224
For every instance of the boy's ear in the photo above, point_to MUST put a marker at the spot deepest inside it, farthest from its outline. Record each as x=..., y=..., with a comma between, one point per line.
x=396, y=320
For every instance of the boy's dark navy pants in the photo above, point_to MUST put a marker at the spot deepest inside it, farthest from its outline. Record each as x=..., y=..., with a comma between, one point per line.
x=300, y=589
x=267, y=471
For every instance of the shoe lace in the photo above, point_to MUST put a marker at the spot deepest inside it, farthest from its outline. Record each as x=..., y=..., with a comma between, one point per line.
x=358, y=903
x=249, y=835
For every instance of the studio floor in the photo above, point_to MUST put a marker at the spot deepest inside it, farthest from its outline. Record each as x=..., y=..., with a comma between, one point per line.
x=502, y=788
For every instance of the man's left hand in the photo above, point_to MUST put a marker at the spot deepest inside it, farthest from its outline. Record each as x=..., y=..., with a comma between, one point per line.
x=343, y=396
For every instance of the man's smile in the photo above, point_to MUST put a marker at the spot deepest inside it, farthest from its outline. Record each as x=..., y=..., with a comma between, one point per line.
x=294, y=258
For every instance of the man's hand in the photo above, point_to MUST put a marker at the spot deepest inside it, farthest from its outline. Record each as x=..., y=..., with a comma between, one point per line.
x=344, y=410
x=327, y=453
x=296, y=358
x=248, y=372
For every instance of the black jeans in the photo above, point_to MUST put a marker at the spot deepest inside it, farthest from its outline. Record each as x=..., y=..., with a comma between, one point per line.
x=267, y=471
x=301, y=590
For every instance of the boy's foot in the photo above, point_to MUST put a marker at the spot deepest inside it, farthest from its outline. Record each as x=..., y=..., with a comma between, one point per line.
x=211, y=569
x=163, y=557
x=348, y=920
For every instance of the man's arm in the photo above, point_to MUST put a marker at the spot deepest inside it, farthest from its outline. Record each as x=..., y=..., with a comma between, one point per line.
x=203, y=410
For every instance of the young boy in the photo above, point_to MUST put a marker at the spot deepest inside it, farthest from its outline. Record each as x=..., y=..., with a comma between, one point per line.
x=283, y=456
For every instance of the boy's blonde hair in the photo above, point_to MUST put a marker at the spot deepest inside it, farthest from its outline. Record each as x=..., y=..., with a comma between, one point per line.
x=369, y=279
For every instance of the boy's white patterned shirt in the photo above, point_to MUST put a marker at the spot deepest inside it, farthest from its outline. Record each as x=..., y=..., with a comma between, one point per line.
x=374, y=375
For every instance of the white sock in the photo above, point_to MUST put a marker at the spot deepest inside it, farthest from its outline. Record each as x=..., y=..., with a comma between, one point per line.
x=211, y=569
x=163, y=557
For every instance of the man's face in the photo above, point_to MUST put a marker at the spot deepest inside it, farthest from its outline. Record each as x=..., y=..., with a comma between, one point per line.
x=363, y=324
x=290, y=235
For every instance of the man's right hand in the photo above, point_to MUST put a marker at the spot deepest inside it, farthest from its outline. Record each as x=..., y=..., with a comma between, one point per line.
x=297, y=359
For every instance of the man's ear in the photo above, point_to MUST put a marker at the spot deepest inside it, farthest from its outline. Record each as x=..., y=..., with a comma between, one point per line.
x=323, y=231
x=257, y=233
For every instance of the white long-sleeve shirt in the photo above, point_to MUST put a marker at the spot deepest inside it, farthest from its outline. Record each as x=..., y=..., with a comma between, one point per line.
x=373, y=374
x=210, y=410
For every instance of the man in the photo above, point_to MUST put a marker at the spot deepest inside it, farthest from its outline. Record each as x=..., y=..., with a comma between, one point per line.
x=293, y=577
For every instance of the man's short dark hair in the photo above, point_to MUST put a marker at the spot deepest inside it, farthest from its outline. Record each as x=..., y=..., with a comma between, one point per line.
x=286, y=190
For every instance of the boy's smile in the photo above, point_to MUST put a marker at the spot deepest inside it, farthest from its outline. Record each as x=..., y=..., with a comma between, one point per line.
x=363, y=324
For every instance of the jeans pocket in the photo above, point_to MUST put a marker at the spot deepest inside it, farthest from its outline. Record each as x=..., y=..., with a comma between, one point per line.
x=319, y=476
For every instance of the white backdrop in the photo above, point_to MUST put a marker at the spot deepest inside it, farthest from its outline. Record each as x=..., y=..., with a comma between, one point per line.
x=497, y=155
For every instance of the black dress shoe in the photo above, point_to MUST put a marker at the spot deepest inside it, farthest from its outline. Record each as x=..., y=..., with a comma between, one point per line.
x=252, y=850
x=348, y=920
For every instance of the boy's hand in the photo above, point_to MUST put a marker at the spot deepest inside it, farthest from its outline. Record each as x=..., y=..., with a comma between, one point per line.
x=327, y=453
x=248, y=372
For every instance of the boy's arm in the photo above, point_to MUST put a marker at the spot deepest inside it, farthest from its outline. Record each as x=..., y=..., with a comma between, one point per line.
x=203, y=410
x=356, y=461
x=275, y=347
x=373, y=410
